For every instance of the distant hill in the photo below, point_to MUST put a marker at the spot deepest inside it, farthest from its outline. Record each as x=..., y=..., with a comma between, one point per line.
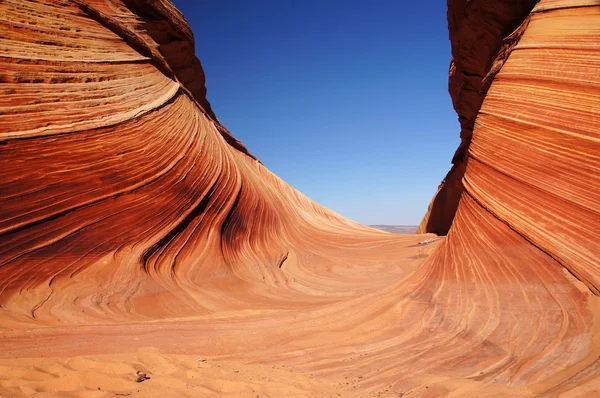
x=397, y=229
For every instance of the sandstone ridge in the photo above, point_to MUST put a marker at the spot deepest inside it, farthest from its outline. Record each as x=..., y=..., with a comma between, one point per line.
x=131, y=218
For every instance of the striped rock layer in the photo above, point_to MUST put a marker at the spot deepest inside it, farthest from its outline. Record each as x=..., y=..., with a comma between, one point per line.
x=127, y=209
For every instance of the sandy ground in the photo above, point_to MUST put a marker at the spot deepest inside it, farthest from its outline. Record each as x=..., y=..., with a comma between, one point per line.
x=188, y=376
x=170, y=375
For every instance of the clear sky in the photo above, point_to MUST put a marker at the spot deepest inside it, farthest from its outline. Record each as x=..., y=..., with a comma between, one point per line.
x=347, y=100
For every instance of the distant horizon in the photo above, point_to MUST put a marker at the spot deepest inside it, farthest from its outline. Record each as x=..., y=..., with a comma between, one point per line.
x=346, y=102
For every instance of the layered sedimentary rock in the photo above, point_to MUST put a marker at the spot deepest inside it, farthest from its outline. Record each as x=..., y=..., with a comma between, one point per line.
x=130, y=217
x=536, y=129
x=479, y=32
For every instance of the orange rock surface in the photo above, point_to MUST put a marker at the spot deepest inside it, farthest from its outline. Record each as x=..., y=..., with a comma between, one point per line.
x=137, y=234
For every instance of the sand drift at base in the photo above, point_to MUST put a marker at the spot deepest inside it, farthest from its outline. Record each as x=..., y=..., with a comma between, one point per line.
x=137, y=234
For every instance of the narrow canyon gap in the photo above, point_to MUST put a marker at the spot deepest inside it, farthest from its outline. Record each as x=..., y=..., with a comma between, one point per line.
x=131, y=217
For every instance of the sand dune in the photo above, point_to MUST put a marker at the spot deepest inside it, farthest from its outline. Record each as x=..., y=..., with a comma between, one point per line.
x=137, y=234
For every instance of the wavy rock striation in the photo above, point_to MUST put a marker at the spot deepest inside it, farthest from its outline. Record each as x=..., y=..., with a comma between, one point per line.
x=479, y=32
x=129, y=216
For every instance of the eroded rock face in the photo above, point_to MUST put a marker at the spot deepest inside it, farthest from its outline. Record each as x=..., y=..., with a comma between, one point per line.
x=535, y=143
x=127, y=209
x=115, y=172
x=478, y=32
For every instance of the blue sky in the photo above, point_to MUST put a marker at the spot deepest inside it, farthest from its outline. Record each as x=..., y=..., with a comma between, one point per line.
x=345, y=100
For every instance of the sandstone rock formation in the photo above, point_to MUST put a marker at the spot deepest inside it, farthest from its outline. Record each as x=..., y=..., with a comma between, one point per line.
x=478, y=31
x=130, y=217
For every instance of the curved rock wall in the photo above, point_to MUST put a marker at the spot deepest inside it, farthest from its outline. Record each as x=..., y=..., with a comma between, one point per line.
x=115, y=173
x=128, y=210
x=479, y=33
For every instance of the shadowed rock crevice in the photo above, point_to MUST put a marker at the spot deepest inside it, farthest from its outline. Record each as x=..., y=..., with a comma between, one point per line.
x=169, y=30
x=482, y=35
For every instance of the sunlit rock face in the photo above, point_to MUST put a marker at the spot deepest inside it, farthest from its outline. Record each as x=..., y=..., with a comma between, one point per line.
x=479, y=32
x=126, y=205
x=120, y=189
x=532, y=158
